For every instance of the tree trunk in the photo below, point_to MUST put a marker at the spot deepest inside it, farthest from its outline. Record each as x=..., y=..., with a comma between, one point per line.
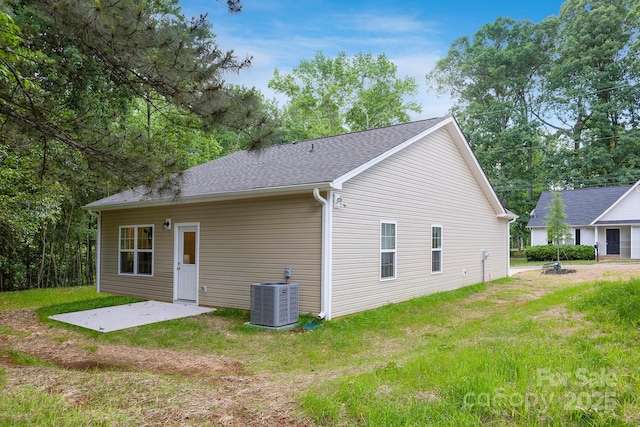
x=42, y=257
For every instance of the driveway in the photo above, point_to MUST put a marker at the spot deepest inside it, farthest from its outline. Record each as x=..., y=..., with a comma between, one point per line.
x=567, y=264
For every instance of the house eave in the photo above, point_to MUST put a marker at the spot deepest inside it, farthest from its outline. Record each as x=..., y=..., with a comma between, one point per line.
x=204, y=198
x=508, y=215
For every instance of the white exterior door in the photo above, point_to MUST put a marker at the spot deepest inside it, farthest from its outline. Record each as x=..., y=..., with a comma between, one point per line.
x=187, y=263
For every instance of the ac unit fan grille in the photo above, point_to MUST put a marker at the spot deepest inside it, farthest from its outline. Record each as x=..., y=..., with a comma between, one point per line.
x=274, y=304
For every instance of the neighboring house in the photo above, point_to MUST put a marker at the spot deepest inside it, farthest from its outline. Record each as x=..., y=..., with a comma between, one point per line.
x=362, y=219
x=607, y=216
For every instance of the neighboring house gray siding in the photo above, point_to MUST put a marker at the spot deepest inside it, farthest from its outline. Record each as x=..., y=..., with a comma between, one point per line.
x=608, y=217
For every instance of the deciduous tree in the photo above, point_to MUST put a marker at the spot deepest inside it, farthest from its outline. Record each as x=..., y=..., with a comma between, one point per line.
x=494, y=78
x=557, y=228
x=329, y=96
x=592, y=90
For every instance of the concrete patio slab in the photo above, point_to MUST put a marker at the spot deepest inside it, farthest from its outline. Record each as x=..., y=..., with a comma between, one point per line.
x=126, y=316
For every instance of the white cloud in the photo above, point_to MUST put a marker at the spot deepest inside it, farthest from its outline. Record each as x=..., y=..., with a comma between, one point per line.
x=384, y=23
x=408, y=42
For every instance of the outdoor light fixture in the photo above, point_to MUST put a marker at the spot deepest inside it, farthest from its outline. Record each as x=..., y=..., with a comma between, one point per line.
x=338, y=202
x=167, y=224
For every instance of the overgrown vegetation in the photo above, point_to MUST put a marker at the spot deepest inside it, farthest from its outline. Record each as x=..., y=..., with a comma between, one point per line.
x=96, y=98
x=613, y=302
x=517, y=367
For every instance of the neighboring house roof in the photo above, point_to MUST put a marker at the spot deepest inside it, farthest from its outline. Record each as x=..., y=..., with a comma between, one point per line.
x=582, y=206
x=323, y=163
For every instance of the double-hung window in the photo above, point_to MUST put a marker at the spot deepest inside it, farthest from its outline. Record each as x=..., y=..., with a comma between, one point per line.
x=387, y=250
x=436, y=249
x=136, y=250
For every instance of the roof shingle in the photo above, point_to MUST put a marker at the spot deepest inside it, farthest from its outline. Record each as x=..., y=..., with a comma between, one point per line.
x=582, y=206
x=313, y=161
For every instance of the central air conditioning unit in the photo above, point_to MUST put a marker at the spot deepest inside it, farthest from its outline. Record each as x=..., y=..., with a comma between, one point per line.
x=274, y=304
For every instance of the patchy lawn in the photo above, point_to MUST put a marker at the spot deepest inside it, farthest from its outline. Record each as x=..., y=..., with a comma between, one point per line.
x=533, y=350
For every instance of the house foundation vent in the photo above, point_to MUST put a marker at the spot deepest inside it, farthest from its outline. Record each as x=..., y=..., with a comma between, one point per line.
x=274, y=304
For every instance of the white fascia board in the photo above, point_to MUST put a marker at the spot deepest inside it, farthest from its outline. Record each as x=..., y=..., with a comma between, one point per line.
x=203, y=198
x=461, y=144
x=613, y=205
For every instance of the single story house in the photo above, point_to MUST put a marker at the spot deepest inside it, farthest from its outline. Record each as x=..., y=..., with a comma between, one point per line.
x=361, y=220
x=608, y=217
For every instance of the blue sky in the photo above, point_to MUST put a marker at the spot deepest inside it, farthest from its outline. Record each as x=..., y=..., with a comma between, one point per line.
x=412, y=34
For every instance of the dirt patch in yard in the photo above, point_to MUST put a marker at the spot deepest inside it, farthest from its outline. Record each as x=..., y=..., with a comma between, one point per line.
x=594, y=272
x=218, y=392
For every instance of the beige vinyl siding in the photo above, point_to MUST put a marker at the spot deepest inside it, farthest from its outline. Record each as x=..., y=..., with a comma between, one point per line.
x=426, y=184
x=241, y=242
x=157, y=287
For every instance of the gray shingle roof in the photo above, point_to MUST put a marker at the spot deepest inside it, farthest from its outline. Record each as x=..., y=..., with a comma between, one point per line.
x=582, y=206
x=314, y=161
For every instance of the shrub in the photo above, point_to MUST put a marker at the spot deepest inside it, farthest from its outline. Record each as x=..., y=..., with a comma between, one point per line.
x=567, y=252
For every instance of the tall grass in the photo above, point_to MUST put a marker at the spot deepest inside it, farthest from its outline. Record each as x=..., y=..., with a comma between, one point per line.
x=522, y=367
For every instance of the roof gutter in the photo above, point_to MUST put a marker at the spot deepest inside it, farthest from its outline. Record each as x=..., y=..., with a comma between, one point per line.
x=142, y=202
x=327, y=223
x=511, y=221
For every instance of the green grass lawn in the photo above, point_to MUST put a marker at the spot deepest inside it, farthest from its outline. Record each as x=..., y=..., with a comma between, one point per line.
x=512, y=352
x=43, y=297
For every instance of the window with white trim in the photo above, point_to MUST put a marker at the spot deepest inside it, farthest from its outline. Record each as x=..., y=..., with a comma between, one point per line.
x=436, y=249
x=136, y=250
x=387, y=250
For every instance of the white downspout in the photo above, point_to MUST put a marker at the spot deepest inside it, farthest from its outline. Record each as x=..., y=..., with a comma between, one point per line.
x=509, y=246
x=325, y=287
x=98, y=244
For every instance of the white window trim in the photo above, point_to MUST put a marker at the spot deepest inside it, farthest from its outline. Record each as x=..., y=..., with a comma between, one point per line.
x=135, y=250
x=437, y=249
x=394, y=251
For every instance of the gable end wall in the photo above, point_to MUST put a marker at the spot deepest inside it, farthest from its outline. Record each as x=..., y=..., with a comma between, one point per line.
x=426, y=184
x=627, y=209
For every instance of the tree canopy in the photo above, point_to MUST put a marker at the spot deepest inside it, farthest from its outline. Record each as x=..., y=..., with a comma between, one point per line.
x=97, y=96
x=329, y=96
x=552, y=104
x=84, y=65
